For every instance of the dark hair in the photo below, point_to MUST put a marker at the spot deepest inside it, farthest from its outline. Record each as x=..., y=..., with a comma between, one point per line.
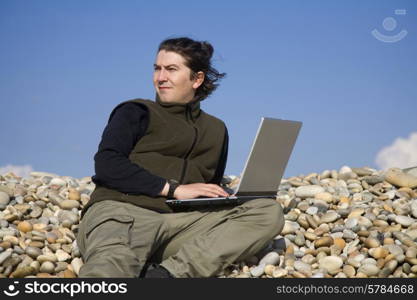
x=197, y=57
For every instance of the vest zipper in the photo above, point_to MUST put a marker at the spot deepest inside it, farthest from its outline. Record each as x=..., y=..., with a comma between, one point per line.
x=188, y=111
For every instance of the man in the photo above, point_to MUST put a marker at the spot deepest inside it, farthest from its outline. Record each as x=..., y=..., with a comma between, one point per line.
x=169, y=148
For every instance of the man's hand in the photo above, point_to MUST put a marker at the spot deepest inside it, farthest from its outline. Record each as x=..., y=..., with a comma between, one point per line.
x=195, y=190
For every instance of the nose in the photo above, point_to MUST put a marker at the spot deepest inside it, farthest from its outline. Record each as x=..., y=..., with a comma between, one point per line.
x=162, y=75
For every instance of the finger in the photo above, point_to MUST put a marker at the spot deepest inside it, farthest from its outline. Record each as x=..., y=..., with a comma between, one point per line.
x=210, y=194
x=214, y=188
x=218, y=189
x=215, y=192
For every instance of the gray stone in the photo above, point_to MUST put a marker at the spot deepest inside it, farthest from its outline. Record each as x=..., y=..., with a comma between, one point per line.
x=302, y=267
x=331, y=263
x=5, y=255
x=258, y=271
x=405, y=221
x=413, y=206
x=312, y=210
x=4, y=199
x=350, y=223
x=398, y=178
x=369, y=269
x=33, y=252
x=299, y=239
x=329, y=217
x=279, y=245
x=36, y=212
x=290, y=227
x=308, y=191
x=372, y=180
x=47, y=267
x=362, y=171
x=394, y=249
x=61, y=266
x=68, y=216
x=272, y=258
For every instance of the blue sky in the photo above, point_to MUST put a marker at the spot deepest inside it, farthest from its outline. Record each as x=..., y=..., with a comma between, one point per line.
x=66, y=64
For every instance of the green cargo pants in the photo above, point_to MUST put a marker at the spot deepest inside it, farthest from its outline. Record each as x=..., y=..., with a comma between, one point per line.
x=116, y=239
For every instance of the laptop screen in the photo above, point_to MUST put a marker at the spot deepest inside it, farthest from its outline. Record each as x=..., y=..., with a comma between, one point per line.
x=268, y=157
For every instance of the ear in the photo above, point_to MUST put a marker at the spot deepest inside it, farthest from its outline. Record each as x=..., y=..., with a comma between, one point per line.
x=198, y=80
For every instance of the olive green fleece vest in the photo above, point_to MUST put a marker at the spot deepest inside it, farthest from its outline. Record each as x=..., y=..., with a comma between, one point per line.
x=182, y=142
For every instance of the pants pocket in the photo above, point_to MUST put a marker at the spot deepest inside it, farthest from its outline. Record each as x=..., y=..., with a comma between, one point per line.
x=105, y=231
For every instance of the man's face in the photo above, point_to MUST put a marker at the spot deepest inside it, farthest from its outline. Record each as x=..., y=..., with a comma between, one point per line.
x=171, y=78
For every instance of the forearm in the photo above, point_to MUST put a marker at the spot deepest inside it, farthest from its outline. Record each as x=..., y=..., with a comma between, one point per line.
x=118, y=172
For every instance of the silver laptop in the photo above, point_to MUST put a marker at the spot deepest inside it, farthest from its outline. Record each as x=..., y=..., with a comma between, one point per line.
x=264, y=167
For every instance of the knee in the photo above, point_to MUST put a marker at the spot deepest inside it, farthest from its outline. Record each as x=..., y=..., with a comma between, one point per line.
x=273, y=216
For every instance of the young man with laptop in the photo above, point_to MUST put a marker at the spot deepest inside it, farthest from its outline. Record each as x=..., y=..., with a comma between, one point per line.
x=154, y=153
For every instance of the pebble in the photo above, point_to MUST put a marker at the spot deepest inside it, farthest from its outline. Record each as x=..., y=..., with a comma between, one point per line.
x=374, y=179
x=69, y=204
x=323, y=242
x=398, y=178
x=308, y=191
x=378, y=252
x=303, y=268
x=33, y=252
x=311, y=236
x=25, y=226
x=394, y=249
x=362, y=171
x=256, y=271
x=47, y=267
x=69, y=274
x=46, y=257
x=5, y=255
x=405, y=221
x=355, y=222
x=279, y=273
x=76, y=264
x=57, y=183
x=62, y=255
x=299, y=239
x=312, y=210
x=324, y=196
x=411, y=252
x=351, y=223
x=331, y=263
x=369, y=269
x=413, y=207
x=269, y=269
x=23, y=272
x=329, y=217
x=36, y=212
x=339, y=242
x=290, y=227
x=61, y=266
x=349, y=271
x=4, y=199
x=389, y=267
x=74, y=195
x=272, y=258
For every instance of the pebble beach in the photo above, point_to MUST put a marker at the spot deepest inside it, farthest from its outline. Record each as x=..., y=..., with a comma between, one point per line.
x=346, y=223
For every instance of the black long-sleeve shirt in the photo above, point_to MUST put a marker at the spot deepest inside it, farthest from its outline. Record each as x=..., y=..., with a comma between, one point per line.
x=112, y=165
